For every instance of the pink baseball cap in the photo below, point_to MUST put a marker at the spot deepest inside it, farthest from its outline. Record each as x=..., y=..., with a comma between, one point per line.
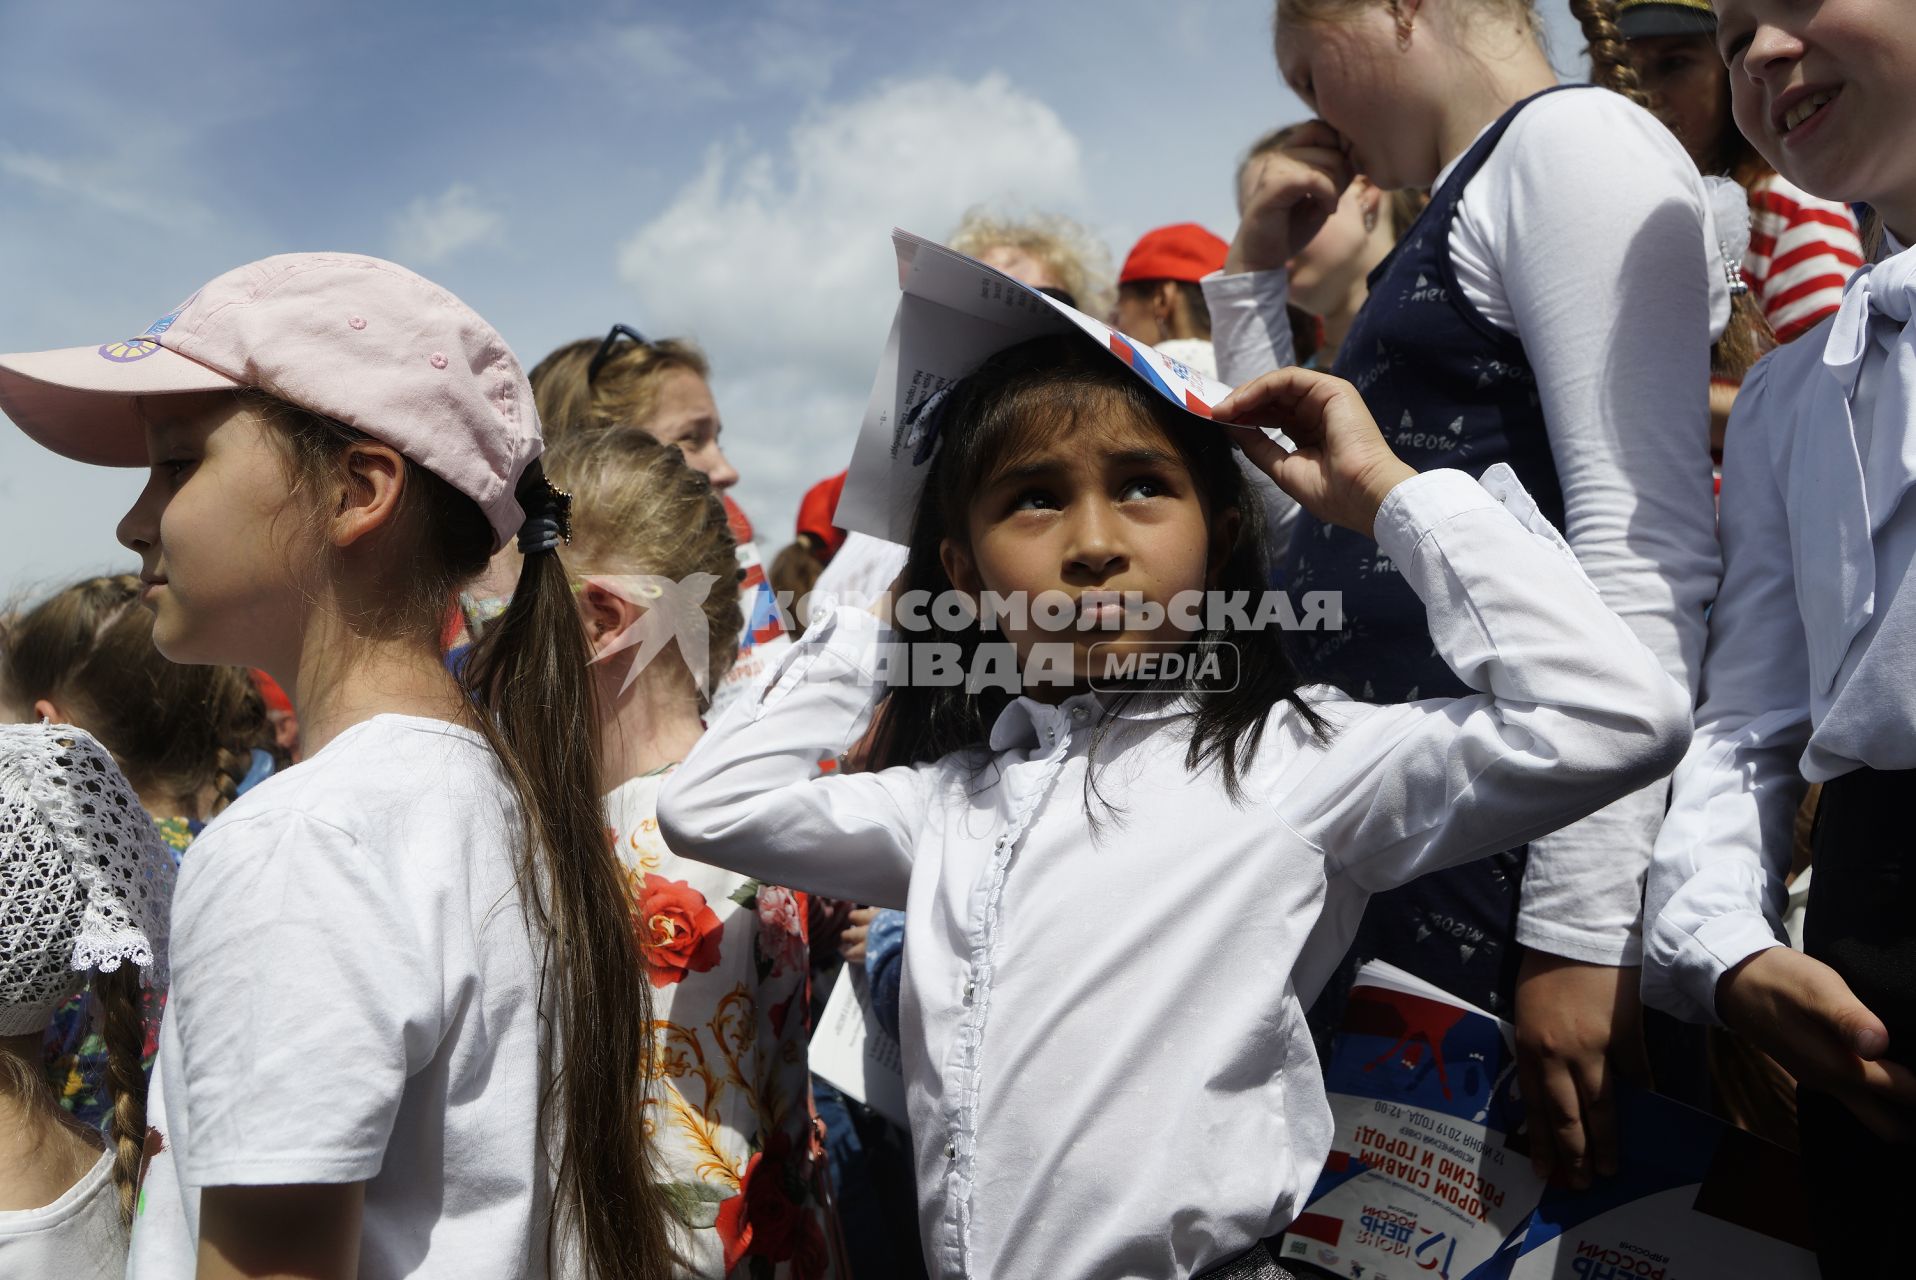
x=359, y=340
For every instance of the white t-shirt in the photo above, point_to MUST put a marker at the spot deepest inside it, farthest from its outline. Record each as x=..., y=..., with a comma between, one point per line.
x=354, y=1000
x=77, y=1237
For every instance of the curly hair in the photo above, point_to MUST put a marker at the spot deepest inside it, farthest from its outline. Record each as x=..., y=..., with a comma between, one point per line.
x=1077, y=258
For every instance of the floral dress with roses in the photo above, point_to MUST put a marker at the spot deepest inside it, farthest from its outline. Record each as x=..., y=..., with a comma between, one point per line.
x=730, y=1113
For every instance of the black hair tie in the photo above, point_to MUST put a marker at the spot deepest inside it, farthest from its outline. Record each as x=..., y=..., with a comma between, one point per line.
x=548, y=512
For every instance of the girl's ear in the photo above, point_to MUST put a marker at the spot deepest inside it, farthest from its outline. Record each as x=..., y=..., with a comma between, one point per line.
x=1223, y=538
x=1370, y=201
x=45, y=709
x=959, y=567
x=1164, y=303
x=373, y=476
x=607, y=616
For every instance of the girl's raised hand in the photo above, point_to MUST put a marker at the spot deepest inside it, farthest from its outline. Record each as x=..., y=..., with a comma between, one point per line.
x=1286, y=195
x=1342, y=468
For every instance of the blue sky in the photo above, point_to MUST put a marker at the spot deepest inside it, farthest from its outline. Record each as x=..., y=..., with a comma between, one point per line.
x=727, y=171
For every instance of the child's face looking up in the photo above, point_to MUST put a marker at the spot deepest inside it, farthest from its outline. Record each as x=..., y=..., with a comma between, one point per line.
x=1094, y=510
x=1824, y=91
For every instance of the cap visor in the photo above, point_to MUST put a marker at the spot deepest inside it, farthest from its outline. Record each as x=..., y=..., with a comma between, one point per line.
x=1653, y=20
x=78, y=401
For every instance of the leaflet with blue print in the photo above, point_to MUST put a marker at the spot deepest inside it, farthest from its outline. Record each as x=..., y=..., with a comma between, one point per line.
x=1429, y=1175
x=954, y=312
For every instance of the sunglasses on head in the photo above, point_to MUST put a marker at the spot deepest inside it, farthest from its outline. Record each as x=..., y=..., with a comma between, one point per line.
x=604, y=353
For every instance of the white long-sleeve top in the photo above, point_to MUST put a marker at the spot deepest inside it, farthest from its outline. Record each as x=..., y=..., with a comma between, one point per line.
x=1811, y=669
x=1106, y=1061
x=1605, y=266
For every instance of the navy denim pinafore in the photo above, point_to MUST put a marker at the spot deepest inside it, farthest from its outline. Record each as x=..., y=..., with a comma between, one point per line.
x=1448, y=389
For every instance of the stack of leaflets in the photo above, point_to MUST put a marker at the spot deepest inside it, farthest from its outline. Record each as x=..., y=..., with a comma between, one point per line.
x=1429, y=1177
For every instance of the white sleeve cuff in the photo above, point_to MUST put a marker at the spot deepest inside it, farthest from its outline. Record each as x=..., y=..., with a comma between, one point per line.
x=1685, y=983
x=1418, y=505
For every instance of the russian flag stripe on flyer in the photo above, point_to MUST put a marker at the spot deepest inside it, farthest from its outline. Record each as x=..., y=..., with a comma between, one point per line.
x=954, y=313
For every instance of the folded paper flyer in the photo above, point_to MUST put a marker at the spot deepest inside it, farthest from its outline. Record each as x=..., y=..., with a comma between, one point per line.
x=955, y=312
x=1428, y=1176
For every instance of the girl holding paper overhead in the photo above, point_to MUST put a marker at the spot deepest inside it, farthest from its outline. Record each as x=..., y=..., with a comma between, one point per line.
x=1121, y=891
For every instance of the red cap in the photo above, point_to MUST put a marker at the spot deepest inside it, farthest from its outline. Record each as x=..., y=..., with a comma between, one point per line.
x=1184, y=251
x=816, y=511
x=269, y=690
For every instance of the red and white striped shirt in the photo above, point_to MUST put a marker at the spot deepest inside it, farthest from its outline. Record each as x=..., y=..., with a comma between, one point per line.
x=1802, y=250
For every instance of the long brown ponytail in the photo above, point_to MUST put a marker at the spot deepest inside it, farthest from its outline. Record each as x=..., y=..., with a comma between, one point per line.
x=527, y=678
x=1747, y=337
x=529, y=672
x=121, y=1001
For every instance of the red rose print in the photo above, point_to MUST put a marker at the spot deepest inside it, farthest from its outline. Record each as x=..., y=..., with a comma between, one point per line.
x=781, y=929
x=678, y=932
x=761, y=1220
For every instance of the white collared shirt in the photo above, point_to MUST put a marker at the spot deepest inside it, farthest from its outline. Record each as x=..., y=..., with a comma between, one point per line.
x=1106, y=1060
x=1811, y=669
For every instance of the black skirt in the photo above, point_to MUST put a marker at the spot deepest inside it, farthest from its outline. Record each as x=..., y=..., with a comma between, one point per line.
x=1861, y=922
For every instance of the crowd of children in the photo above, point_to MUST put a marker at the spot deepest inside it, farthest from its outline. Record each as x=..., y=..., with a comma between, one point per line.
x=431, y=861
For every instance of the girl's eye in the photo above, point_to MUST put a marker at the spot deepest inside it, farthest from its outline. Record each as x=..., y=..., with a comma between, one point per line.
x=1143, y=487
x=175, y=469
x=1034, y=500
x=1733, y=46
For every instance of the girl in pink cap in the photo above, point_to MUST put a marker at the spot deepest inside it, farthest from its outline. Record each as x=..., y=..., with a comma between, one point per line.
x=406, y=1029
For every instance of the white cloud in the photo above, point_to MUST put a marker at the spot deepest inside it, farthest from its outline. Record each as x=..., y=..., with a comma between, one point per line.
x=668, y=59
x=433, y=228
x=779, y=259
x=122, y=184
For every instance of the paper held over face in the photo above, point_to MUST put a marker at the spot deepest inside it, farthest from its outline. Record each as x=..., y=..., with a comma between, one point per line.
x=956, y=312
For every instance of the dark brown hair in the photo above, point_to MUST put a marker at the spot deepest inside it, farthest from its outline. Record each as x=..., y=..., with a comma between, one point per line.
x=527, y=680
x=1196, y=309
x=174, y=730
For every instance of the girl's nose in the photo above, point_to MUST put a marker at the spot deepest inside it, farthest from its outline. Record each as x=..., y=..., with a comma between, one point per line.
x=1095, y=549
x=1771, y=52
x=138, y=529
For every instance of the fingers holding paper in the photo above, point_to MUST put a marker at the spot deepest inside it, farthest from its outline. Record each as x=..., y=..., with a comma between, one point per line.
x=1341, y=469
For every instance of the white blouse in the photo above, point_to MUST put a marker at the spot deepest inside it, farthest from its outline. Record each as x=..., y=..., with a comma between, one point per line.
x=1811, y=669
x=1106, y=1061
x=1607, y=269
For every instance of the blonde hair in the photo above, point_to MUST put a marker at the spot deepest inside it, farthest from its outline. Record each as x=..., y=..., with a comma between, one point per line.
x=639, y=508
x=625, y=393
x=1077, y=258
x=1321, y=11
